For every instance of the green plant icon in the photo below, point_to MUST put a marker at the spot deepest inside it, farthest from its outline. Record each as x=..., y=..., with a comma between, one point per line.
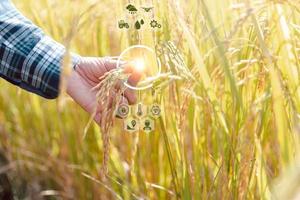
x=132, y=9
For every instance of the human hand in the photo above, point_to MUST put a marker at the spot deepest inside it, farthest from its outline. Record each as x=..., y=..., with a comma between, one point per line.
x=86, y=76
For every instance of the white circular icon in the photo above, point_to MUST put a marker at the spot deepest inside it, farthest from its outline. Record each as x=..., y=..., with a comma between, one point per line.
x=139, y=64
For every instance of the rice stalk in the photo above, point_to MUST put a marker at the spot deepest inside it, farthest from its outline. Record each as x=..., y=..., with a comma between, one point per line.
x=108, y=97
x=200, y=66
x=277, y=94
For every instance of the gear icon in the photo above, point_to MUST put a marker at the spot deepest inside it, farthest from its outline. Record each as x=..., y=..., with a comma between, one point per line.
x=155, y=24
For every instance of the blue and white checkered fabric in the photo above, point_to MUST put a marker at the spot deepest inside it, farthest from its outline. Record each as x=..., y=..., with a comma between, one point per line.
x=29, y=58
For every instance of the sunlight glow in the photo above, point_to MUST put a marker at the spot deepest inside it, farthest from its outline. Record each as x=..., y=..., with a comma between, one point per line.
x=139, y=64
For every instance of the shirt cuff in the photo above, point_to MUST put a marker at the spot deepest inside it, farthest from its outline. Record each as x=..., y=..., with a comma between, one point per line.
x=42, y=67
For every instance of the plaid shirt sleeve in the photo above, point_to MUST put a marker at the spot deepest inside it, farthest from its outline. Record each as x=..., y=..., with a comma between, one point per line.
x=29, y=58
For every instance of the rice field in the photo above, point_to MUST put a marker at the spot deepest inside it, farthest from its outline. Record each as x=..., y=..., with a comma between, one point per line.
x=230, y=131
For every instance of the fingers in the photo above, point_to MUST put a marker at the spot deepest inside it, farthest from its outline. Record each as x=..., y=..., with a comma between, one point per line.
x=97, y=118
x=135, y=75
x=111, y=63
x=130, y=96
x=133, y=80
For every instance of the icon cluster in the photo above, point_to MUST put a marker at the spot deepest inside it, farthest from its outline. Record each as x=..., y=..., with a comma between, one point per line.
x=139, y=117
x=132, y=10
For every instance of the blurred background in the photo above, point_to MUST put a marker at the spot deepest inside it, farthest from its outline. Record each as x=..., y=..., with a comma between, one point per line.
x=233, y=133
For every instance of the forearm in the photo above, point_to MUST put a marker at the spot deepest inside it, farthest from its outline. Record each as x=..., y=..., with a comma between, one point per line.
x=29, y=58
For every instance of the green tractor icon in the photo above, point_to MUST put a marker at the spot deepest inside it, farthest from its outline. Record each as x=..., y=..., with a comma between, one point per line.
x=123, y=24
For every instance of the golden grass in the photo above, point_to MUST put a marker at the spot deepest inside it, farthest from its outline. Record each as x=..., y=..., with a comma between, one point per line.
x=230, y=133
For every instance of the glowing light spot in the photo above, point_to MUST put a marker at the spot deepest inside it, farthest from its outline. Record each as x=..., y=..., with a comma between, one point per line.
x=139, y=65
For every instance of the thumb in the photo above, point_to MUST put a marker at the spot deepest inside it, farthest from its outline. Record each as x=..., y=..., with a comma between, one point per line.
x=135, y=75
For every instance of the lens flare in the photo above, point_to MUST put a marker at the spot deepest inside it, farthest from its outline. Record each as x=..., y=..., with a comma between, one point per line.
x=139, y=65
